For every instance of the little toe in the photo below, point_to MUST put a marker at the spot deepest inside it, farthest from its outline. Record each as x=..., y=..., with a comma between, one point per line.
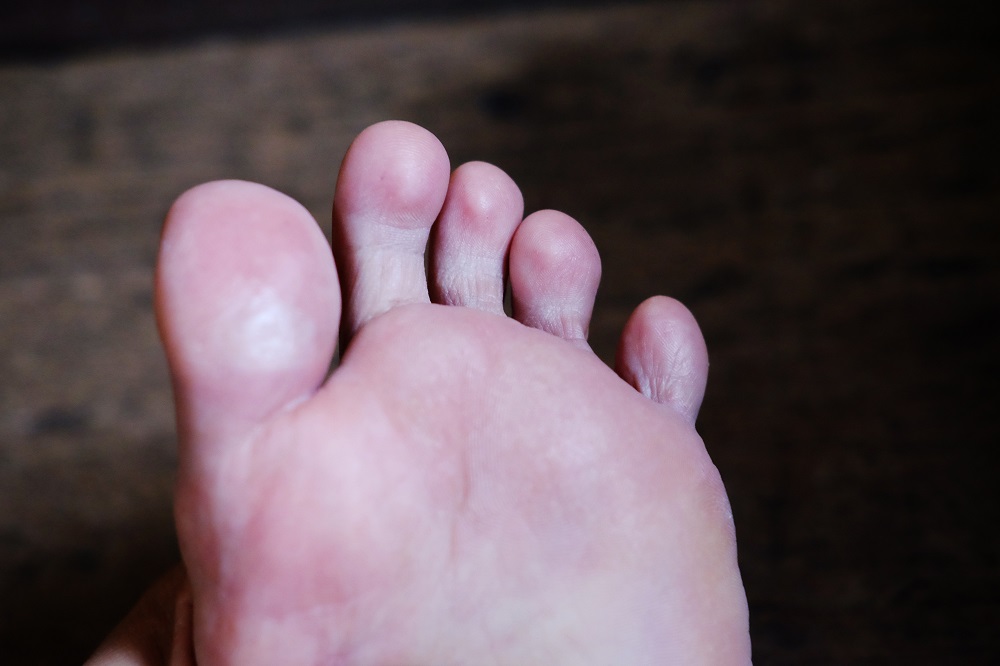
x=391, y=188
x=662, y=354
x=472, y=237
x=247, y=307
x=554, y=273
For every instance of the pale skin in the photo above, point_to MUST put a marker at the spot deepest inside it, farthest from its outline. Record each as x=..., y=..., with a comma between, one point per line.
x=466, y=487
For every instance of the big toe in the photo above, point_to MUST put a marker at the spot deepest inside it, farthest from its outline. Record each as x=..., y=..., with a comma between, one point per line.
x=391, y=188
x=247, y=306
x=662, y=354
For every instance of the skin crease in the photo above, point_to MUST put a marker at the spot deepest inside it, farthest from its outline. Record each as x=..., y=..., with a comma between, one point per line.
x=465, y=488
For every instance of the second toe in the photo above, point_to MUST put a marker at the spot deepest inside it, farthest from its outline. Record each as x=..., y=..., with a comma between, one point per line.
x=391, y=188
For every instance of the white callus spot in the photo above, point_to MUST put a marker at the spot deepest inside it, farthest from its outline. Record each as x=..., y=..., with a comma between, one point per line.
x=269, y=333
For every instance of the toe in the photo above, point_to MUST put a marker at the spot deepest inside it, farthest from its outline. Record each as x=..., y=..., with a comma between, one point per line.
x=472, y=237
x=391, y=188
x=247, y=306
x=554, y=273
x=662, y=354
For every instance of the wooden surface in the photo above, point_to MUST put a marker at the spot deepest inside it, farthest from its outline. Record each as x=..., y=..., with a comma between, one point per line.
x=818, y=181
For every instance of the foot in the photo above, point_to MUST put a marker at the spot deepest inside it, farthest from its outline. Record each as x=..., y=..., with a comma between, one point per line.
x=465, y=488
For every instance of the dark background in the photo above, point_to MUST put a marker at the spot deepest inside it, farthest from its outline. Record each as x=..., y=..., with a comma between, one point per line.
x=42, y=30
x=817, y=181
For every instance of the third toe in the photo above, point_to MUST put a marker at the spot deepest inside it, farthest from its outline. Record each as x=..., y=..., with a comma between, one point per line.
x=472, y=237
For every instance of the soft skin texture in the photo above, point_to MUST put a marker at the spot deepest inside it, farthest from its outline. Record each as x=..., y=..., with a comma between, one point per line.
x=465, y=488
